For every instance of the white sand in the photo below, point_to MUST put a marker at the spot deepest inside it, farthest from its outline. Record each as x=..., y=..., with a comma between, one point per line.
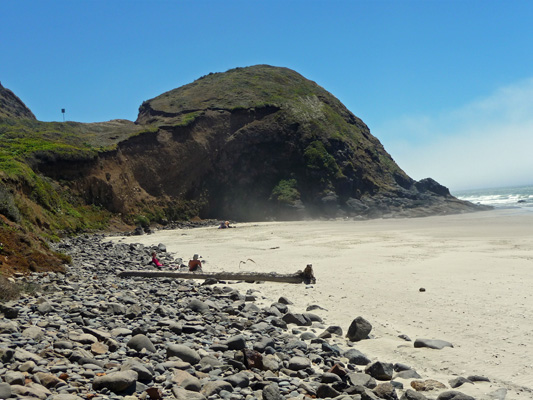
x=477, y=270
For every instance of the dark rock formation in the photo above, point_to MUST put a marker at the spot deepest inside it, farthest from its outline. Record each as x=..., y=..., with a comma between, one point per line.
x=359, y=329
x=251, y=143
x=255, y=143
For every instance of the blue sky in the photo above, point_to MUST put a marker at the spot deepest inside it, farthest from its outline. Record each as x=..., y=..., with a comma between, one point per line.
x=446, y=86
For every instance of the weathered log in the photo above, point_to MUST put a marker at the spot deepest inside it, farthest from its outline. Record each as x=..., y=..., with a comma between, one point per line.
x=306, y=276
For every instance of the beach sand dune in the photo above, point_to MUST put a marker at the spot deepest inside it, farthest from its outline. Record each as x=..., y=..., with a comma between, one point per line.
x=476, y=269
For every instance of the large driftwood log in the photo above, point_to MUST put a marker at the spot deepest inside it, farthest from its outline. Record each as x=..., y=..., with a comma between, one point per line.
x=306, y=276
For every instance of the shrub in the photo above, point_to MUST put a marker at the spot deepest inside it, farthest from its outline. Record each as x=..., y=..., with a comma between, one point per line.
x=142, y=221
x=286, y=191
x=317, y=158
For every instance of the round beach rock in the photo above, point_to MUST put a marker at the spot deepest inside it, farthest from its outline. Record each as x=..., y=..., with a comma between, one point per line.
x=140, y=342
x=298, y=363
x=116, y=381
x=183, y=352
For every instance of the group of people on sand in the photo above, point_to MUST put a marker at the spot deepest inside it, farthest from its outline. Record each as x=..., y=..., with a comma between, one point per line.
x=194, y=265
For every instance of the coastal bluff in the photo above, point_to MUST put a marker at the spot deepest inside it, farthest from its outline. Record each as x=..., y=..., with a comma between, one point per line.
x=251, y=144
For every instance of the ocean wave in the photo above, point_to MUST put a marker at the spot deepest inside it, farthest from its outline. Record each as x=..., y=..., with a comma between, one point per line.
x=512, y=197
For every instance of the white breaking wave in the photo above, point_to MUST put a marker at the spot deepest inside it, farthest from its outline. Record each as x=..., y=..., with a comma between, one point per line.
x=512, y=197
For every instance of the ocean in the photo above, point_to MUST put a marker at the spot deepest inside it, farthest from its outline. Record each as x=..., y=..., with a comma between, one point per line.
x=517, y=197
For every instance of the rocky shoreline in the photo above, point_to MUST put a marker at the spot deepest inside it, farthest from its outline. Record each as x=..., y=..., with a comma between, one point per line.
x=88, y=334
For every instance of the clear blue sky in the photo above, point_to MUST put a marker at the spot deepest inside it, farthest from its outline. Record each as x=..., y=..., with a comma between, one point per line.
x=447, y=86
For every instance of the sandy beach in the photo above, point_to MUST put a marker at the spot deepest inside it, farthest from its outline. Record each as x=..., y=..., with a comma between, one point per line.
x=477, y=271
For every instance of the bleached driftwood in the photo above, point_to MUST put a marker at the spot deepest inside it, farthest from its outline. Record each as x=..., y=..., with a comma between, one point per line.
x=305, y=276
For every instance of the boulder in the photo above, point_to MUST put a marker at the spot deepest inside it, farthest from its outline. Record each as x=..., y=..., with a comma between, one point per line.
x=140, y=342
x=30, y=390
x=271, y=392
x=381, y=371
x=361, y=379
x=185, y=353
x=427, y=385
x=116, y=381
x=14, y=378
x=298, y=363
x=408, y=374
x=236, y=342
x=453, y=395
x=187, y=381
x=298, y=319
x=459, y=381
x=359, y=329
x=240, y=379
x=386, y=391
x=184, y=394
x=325, y=391
x=432, y=343
x=5, y=390
x=212, y=388
x=354, y=356
x=145, y=371
x=198, y=306
x=410, y=394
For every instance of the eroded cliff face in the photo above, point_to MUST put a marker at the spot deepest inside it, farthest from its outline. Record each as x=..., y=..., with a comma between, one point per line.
x=251, y=144
x=230, y=164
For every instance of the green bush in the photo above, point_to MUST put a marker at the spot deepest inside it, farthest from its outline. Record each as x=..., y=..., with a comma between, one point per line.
x=142, y=221
x=286, y=191
x=318, y=159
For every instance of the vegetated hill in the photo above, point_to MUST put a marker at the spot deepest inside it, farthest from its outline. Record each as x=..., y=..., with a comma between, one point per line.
x=249, y=144
x=263, y=141
x=33, y=206
x=11, y=106
x=252, y=143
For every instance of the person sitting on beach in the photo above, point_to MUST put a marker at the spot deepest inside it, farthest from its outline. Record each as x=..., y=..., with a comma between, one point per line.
x=195, y=264
x=155, y=261
x=224, y=225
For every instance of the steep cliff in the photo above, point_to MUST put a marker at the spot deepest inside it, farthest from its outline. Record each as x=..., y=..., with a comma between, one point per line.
x=251, y=144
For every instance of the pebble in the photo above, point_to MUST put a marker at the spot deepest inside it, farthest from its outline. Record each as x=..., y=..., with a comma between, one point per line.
x=88, y=334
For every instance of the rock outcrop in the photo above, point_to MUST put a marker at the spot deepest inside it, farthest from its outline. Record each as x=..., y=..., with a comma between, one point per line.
x=251, y=144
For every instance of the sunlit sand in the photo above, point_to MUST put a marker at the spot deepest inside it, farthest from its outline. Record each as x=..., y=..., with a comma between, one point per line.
x=476, y=269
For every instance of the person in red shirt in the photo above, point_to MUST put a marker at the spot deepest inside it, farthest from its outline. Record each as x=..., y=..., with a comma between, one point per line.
x=155, y=261
x=195, y=264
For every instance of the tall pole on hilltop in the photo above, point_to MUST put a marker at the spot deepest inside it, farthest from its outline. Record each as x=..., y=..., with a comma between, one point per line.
x=63, y=112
